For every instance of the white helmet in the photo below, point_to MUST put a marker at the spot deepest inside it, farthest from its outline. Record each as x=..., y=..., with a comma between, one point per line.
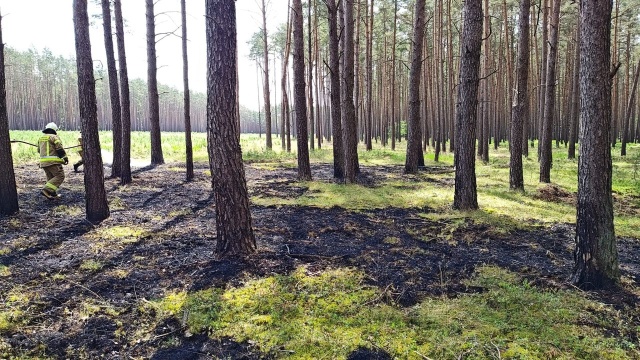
x=51, y=126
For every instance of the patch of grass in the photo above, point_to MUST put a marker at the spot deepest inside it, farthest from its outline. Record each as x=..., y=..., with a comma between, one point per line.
x=13, y=309
x=391, y=240
x=116, y=203
x=301, y=315
x=91, y=265
x=15, y=224
x=180, y=212
x=69, y=210
x=4, y=271
x=4, y=251
x=122, y=234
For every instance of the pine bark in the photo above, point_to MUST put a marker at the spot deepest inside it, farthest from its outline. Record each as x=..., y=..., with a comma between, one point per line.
x=266, y=92
x=233, y=216
x=596, y=254
x=310, y=80
x=334, y=68
x=187, y=100
x=550, y=97
x=300, y=98
x=125, y=107
x=575, y=100
x=627, y=117
x=414, y=128
x=369, y=77
x=283, y=82
x=8, y=191
x=520, y=111
x=97, y=207
x=114, y=93
x=157, y=157
x=352, y=167
x=465, y=192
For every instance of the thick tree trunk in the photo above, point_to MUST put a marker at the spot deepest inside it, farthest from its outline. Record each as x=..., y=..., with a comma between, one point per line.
x=334, y=68
x=125, y=107
x=187, y=100
x=414, y=129
x=520, y=110
x=152, y=84
x=8, y=192
x=465, y=193
x=95, y=198
x=352, y=167
x=116, y=127
x=550, y=97
x=596, y=254
x=300, y=98
x=266, y=92
x=233, y=217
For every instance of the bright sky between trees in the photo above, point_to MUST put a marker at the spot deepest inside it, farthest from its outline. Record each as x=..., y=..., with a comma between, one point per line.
x=40, y=24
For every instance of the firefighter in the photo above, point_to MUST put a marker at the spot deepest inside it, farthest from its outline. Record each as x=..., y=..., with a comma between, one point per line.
x=79, y=163
x=52, y=156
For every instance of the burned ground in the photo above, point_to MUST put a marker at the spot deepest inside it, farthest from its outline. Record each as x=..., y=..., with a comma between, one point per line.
x=83, y=282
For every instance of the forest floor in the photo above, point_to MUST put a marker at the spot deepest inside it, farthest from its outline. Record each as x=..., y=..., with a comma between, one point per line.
x=72, y=289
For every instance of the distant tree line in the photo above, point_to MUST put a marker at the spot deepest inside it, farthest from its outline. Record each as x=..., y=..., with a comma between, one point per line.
x=43, y=87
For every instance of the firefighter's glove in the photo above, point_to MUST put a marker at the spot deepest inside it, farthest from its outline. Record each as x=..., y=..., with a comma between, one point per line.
x=65, y=160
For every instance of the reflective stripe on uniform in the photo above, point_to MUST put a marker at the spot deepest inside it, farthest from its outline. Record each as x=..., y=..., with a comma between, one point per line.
x=47, y=158
x=51, y=186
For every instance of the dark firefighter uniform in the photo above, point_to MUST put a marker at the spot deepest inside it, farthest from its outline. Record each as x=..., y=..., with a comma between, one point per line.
x=52, y=156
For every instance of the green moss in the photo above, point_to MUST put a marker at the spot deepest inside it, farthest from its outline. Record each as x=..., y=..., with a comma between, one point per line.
x=332, y=313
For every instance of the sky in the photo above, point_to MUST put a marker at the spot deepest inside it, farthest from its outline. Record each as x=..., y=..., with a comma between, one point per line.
x=40, y=24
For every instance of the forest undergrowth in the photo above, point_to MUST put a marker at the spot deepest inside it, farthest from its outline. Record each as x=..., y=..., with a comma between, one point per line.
x=379, y=270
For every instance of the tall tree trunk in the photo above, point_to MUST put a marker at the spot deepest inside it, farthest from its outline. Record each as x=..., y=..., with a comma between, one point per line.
x=152, y=83
x=437, y=34
x=116, y=128
x=550, y=97
x=414, y=129
x=352, y=167
x=299, y=96
x=8, y=192
x=96, y=197
x=187, y=100
x=543, y=72
x=486, y=103
x=310, y=80
x=334, y=68
x=520, y=110
x=393, y=76
x=266, y=92
x=125, y=107
x=465, y=193
x=596, y=254
x=283, y=82
x=233, y=217
x=369, y=77
x=627, y=117
x=575, y=100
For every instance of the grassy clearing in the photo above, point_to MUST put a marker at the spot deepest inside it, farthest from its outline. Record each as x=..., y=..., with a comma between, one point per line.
x=329, y=315
x=499, y=207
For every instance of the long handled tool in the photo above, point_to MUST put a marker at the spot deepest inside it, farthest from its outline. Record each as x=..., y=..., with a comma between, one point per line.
x=34, y=145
